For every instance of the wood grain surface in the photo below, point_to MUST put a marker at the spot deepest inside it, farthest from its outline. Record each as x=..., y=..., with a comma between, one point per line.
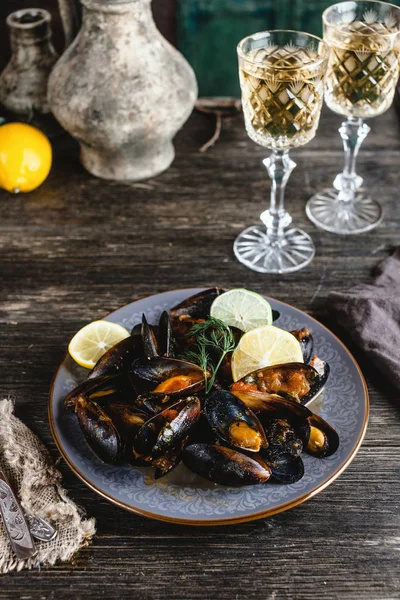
x=79, y=247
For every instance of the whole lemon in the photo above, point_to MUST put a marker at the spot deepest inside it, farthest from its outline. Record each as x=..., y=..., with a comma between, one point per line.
x=25, y=157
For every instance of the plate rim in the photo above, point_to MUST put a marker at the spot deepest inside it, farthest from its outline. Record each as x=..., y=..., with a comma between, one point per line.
x=223, y=521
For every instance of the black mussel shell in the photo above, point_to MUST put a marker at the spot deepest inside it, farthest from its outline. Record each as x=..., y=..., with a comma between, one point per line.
x=171, y=376
x=234, y=422
x=165, y=338
x=149, y=340
x=177, y=431
x=224, y=465
x=272, y=406
x=99, y=387
x=118, y=358
x=323, y=440
x=147, y=435
x=195, y=307
x=305, y=338
x=99, y=430
x=285, y=468
x=282, y=438
x=297, y=381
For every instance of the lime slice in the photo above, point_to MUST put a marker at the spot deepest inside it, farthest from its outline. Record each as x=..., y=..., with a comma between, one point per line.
x=242, y=308
x=93, y=340
x=263, y=347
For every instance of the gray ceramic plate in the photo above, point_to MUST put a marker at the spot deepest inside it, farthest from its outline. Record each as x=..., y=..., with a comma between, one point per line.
x=182, y=497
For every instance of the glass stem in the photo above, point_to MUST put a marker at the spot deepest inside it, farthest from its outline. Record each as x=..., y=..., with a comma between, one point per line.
x=279, y=166
x=353, y=132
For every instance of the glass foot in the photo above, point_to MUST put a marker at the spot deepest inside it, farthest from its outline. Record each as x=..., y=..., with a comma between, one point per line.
x=254, y=248
x=327, y=212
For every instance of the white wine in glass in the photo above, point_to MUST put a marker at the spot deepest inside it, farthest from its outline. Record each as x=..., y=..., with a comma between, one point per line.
x=281, y=76
x=360, y=83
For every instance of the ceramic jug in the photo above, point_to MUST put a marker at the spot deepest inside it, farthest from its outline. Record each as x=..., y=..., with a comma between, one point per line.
x=122, y=91
x=23, y=83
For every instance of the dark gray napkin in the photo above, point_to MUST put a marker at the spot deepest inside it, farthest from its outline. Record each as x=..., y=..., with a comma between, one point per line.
x=370, y=313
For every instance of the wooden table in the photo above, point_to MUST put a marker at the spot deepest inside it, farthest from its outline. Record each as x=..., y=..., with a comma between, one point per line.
x=80, y=247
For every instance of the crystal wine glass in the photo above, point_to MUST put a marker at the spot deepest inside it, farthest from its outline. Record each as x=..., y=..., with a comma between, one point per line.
x=362, y=74
x=281, y=76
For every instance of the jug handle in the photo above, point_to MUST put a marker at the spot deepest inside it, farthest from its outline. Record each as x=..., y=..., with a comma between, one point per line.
x=71, y=16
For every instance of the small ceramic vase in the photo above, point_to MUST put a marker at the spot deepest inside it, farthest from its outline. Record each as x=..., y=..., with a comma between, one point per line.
x=23, y=83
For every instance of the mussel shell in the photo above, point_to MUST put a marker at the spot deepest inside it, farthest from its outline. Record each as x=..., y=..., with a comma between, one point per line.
x=159, y=369
x=197, y=306
x=273, y=406
x=99, y=430
x=306, y=341
x=225, y=412
x=269, y=377
x=149, y=340
x=285, y=468
x=282, y=438
x=155, y=402
x=118, y=358
x=147, y=435
x=177, y=431
x=330, y=438
x=102, y=386
x=165, y=338
x=224, y=466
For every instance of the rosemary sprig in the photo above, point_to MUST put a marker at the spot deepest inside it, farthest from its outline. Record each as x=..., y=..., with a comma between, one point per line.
x=212, y=337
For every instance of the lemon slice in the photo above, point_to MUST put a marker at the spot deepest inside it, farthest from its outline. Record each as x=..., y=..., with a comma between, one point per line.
x=263, y=347
x=93, y=340
x=242, y=308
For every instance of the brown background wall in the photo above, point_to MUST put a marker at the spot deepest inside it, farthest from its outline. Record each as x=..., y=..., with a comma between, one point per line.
x=164, y=12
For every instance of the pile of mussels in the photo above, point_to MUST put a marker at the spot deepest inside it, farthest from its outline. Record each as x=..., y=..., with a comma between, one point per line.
x=141, y=405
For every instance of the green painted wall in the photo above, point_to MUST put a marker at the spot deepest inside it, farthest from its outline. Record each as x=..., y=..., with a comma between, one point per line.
x=209, y=31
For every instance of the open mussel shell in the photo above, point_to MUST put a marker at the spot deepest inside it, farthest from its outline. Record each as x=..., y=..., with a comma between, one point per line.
x=234, y=422
x=323, y=440
x=177, y=430
x=147, y=435
x=103, y=387
x=99, y=430
x=118, y=358
x=170, y=376
x=224, y=466
x=285, y=468
x=297, y=381
x=272, y=406
x=195, y=307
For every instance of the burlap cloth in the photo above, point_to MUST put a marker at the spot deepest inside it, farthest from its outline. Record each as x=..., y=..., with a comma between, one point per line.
x=37, y=484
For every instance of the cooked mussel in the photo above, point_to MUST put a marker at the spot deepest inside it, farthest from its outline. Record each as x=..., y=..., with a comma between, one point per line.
x=165, y=432
x=305, y=339
x=196, y=307
x=170, y=376
x=99, y=430
x=234, y=422
x=285, y=468
x=224, y=466
x=323, y=440
x=297, y=381
x=157, y=341
x=282, y=438
x=103, y=387
x=268, y=407
x=118, y=358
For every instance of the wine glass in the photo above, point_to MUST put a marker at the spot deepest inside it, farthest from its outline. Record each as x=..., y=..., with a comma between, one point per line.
x=360, y=83
x=281, y=77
